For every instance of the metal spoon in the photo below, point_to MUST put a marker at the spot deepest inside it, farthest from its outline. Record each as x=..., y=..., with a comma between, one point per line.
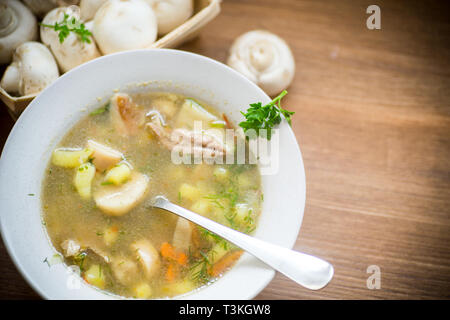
x=308, y=271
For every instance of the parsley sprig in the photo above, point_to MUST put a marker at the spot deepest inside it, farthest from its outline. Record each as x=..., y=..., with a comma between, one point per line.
x=260, y=117
x=66, y=26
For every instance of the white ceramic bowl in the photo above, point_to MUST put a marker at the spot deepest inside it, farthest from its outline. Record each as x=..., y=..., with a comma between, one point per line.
x=46, y=120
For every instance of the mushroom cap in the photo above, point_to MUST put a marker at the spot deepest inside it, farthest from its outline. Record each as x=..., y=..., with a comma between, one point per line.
x=72, y=52
x=171, y=13
x=263, y=58
x=121, y=25
x=89, y=8
x=21, y=28
x=40, y=7
x=33, y=68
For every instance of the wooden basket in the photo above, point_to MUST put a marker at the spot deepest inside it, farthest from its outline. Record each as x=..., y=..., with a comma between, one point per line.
x=204, y=12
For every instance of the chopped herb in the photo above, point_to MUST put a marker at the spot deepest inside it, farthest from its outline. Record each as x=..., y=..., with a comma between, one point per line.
x=100, y=110
x=82, y=168
x=66, y=26
x=79, y=259
x=106, y=183
x=259, y=117
x=31, y=194
x=99, y=233
x=199, y=269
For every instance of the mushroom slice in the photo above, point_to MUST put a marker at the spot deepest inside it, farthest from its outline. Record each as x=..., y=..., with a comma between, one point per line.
x=33, y=68
x=147, y=256
x=118, y=200
x=103, y=156
x=263, y=58
x=182, y=235
x=126, y=116
x=124, y=270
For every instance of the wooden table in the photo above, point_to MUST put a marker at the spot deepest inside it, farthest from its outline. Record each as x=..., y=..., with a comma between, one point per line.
x=373, y=123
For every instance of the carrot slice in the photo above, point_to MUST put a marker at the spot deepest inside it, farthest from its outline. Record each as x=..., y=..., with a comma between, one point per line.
x=170, y=273
x=224, y=263
x=182, y=259
x=167, y=251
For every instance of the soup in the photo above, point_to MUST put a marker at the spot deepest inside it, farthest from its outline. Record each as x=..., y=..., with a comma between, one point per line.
x=101, y=179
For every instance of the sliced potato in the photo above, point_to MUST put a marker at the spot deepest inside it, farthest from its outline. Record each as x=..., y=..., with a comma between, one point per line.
x=189, y=192
x=110, y=235
x=191, y=111
x=103, y=156
x=95, y=276
x=118, y=200
x=118, y=174
x=142, y=291
x=242, y=210
x=202, y=207
x=177, y=288
x=70, y=158
x=83, y=179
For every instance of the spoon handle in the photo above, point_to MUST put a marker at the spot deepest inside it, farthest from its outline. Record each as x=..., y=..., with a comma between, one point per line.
x=308, y=271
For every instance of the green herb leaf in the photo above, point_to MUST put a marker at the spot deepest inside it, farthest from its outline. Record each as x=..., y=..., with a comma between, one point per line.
x=259, y=117
x=66, y=26
x=100, y=110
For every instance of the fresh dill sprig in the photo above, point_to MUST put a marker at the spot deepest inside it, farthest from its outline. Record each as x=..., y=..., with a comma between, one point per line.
x=66, y=26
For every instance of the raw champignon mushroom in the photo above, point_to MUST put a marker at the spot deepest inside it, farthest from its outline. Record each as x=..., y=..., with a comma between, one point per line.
x=72, y=52
x=171, y=13
x=89, y=8
x=41, y=7
x=121, y=25
x=33, y=68
x=265, y=59
x=17, y=25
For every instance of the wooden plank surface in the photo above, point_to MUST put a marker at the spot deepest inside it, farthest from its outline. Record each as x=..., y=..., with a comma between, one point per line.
x=373, y=123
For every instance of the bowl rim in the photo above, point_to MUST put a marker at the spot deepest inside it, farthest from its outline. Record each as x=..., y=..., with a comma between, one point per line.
x=8, y=242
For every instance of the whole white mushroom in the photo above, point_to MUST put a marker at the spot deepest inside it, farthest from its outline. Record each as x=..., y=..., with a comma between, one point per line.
x=171, y=13
x=33, y=68
x=17, y=25
x=265, y=59
x=121, y=25
x=41, y=7
x=89, y=8
x=72, y=51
